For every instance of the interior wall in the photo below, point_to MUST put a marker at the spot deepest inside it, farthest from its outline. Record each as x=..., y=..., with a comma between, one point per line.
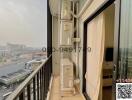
x=109, y=15
x=109, y=26
x=55, y=46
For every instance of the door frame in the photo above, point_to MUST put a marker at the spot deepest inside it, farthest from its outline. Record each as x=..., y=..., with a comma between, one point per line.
x=116, y=46
x=89, y=19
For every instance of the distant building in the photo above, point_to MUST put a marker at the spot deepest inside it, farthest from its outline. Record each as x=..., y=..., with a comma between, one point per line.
x=15, y=49
x=33, y=64
x=39, y=55
x=14, y=77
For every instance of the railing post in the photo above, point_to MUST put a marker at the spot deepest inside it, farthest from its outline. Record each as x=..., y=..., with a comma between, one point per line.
x=34, y=88
x=38, y=86
x=22, y=96
x=42, y=83
x=28, y=92
x=47, y=77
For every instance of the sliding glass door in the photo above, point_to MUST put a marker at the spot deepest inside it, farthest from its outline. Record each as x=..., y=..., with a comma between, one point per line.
x=125, y=41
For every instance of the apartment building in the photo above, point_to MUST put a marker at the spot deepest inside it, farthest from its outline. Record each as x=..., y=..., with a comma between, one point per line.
x=89, y=50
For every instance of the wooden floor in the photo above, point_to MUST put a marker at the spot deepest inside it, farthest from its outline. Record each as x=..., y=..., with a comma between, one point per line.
x=55, y=92
x=107, y=92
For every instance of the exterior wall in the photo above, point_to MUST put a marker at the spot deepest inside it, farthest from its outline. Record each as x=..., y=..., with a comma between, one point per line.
x=74, y=59
x=55, y=37
x=81, y=53
x=55, y=45
x=81, y=3
x=95, y=5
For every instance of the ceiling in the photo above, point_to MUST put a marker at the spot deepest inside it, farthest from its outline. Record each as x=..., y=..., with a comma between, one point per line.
x=54, y=7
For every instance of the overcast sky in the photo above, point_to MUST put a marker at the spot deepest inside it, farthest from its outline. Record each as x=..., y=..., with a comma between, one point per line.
x=23, y=22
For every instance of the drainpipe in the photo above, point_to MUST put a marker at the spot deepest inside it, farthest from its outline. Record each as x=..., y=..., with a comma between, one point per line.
x=86, y=5
x=78, y=43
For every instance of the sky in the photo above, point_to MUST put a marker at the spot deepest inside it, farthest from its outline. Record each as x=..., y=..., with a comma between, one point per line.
x=23, y=22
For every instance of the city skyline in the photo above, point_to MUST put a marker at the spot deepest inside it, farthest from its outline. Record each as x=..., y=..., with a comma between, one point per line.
x=23, y=22
x=6, y=44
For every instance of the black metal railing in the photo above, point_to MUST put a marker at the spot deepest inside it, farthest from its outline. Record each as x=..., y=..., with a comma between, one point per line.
x=36, y=86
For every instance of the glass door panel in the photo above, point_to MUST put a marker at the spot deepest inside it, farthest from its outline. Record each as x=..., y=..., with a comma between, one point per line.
x=125, y=46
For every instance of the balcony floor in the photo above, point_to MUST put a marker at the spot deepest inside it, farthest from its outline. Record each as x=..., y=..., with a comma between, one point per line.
x=55, y=92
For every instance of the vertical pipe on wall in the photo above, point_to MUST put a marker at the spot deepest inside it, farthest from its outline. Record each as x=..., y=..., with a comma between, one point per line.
x=77, y=43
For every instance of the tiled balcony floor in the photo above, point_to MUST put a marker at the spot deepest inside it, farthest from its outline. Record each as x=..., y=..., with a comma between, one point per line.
x=55, y=92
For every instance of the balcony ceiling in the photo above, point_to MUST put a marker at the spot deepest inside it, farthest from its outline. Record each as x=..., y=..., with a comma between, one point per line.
x=54, y=7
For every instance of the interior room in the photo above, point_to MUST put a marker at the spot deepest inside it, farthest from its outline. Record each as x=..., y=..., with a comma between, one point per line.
x=100, y=38
x=108, y=52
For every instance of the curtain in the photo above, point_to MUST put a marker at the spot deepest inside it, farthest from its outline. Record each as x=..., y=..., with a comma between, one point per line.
x=95, y=40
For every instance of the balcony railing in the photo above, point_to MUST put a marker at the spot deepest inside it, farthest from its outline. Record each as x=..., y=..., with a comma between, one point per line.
x=36, y=86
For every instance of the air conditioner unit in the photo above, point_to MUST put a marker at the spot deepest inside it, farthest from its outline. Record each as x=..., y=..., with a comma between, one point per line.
x=66, y=9
x=67, y=77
